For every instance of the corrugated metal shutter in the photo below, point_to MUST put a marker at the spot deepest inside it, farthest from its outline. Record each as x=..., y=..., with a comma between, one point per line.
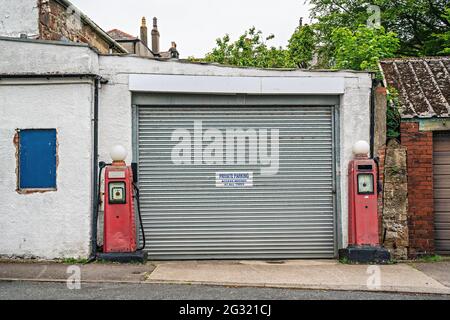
x=289, y=215
x=441, y=172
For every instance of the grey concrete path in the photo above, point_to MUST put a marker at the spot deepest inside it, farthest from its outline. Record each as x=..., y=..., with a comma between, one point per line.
x=439, y=271
x=94, y=272
x=305, y=274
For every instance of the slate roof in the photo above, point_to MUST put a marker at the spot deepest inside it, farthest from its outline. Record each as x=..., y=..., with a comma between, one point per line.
x=423, y=85
x=117, y=34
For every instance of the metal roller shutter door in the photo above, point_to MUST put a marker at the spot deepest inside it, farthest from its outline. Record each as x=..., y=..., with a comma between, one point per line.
x=289, y=215
x=441, y=172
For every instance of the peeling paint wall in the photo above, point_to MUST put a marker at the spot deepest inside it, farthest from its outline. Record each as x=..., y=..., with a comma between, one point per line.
x=19, y=17
x=53, y=224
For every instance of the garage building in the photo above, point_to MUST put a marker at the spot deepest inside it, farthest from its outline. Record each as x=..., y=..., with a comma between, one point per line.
x=293, y=135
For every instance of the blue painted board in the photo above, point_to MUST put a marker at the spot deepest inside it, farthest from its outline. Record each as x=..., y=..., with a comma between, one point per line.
x=37, y=158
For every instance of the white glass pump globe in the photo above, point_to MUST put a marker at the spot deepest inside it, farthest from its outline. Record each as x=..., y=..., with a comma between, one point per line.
x=118, y=153
x=361, y=147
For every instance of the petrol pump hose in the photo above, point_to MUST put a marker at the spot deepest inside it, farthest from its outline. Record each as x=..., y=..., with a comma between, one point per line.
x=93, y=257
x=136, y=188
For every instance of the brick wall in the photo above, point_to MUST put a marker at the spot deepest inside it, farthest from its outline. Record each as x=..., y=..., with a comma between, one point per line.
x=420, y=187
x=58, y=23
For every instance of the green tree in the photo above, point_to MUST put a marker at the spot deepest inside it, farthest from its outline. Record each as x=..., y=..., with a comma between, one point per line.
x=416, y=22
x=301, y=46
x=445, y=37
x=362, y=48
x=250, y=50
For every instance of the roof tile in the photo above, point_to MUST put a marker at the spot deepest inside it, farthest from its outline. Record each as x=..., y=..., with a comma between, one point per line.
x=423, y=85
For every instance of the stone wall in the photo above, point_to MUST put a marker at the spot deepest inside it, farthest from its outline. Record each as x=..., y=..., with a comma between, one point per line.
x=395, y=201
x=381, y=156
x=57, y=22
x=419, y=147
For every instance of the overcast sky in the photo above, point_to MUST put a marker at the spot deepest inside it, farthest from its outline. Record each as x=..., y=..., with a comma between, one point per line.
x=194, y=25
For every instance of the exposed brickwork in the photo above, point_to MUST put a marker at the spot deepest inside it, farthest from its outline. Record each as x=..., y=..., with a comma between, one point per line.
x=420, y=187
x=58, y=23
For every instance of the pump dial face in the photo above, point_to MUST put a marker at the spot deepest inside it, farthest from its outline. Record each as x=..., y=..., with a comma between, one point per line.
x=365, y=184
x=117, y=193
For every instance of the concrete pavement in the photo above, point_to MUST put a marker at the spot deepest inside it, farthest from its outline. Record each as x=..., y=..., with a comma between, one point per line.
x=295, y=274
x=439, y=271
x=59, y=272
x=301, y=274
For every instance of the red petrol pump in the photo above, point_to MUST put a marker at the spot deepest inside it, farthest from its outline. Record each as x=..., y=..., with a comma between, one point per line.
x=363, y=226
x=121, y=199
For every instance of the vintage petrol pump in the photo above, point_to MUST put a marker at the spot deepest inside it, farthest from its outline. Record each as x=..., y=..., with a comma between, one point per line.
x=120, y=201
x=363, y=189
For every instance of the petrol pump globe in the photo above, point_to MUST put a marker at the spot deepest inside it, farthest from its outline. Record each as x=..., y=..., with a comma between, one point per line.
x=361, y=148
x=118, y=153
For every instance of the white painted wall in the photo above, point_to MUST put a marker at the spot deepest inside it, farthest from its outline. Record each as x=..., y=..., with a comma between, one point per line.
x=52, y=224
x=115, y=104
x=19, y=17
x=55, y=224
x=34, y=57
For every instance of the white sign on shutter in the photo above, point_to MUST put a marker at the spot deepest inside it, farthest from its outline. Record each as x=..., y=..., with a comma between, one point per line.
x=234, y=179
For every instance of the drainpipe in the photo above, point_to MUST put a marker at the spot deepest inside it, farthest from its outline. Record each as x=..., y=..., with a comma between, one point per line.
x=95, y=178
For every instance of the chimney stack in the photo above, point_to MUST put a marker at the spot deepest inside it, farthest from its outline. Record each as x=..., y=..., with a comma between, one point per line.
x=144, y=33
x=174, y=54
x=155, y=36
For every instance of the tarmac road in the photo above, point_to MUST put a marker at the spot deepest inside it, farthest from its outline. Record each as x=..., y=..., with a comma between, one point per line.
x=23, y=290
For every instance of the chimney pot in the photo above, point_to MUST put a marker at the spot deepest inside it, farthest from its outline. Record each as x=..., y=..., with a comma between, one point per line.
x=155, y=37
x=144, y=32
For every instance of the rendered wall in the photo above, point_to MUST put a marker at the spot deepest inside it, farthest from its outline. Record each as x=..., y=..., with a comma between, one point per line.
x=32, y=57
x=19, y=17
x=52, y=224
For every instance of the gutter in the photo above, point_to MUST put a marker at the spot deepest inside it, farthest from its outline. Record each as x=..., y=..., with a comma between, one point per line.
x=49, y=76
x=92, y=24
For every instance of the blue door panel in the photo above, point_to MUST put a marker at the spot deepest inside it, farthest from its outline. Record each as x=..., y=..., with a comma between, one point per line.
x=37, y=156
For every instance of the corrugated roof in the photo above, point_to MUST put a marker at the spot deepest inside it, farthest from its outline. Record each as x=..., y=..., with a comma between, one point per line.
x=423, y=85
